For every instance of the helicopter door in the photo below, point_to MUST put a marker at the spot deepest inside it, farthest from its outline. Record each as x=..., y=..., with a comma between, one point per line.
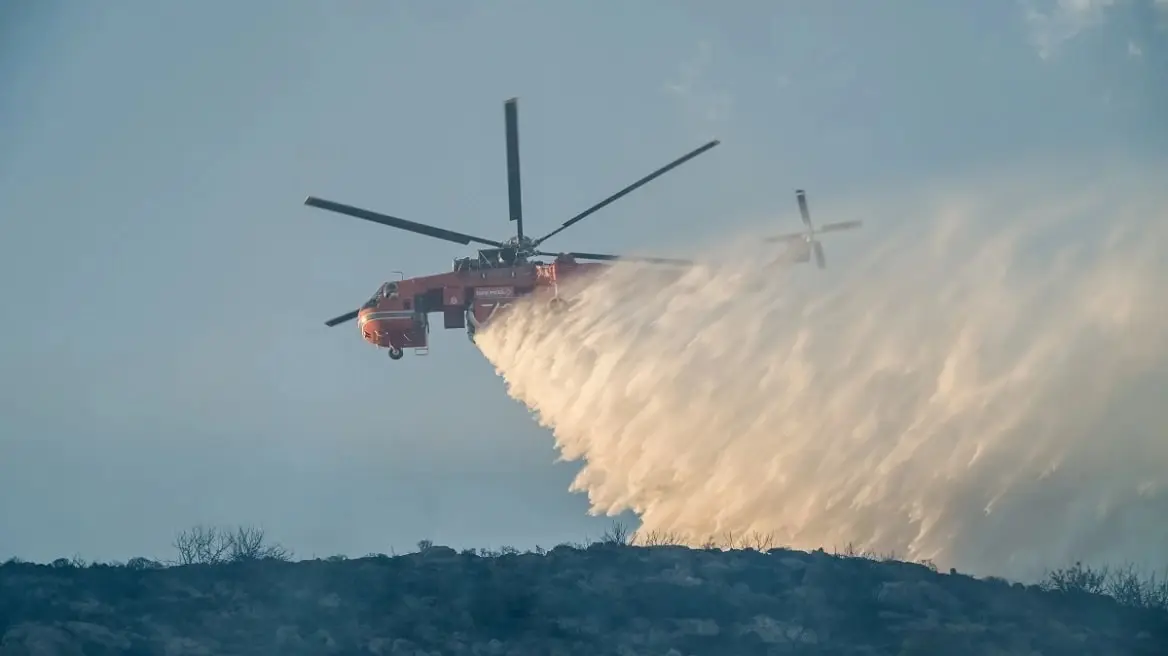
x=453, y=307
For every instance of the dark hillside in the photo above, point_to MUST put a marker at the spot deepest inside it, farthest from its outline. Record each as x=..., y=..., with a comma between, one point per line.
x=608, y=598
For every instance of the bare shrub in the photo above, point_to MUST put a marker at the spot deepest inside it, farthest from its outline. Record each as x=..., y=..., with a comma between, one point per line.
x=201, y=545
x=760, y=541
x=211, y=545
x=250, y=543
x=1076, y=578
x=731, y=541
x=1126, y=587
x=1156, y=592
x=1124, y=584
x=657, y=538
x=618, y=533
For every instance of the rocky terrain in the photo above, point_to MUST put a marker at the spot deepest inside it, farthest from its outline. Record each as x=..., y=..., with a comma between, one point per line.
x=606, y=598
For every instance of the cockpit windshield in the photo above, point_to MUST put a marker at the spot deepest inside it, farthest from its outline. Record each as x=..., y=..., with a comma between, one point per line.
x=386, y=290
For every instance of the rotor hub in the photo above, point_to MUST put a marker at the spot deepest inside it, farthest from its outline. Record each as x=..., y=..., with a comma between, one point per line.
x=521, y=245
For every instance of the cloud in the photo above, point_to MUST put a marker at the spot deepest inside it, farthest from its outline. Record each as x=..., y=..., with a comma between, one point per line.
x=1134, y=49
x=692, y=87
x=1065, y=20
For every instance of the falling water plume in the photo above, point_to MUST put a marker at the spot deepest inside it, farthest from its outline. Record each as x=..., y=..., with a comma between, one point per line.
x=985, y=386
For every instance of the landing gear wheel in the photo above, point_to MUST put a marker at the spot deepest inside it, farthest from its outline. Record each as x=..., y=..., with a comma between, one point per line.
x=395, y=353
x=557, y=305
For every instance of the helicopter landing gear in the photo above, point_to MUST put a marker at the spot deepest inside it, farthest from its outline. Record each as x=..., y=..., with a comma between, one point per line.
x=395, y=353
x=557, y=305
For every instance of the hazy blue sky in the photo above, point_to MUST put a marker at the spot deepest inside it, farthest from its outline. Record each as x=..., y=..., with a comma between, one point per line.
x=164, y=360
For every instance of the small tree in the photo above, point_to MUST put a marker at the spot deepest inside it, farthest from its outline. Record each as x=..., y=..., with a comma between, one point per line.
x=247, y=543
x=201, y=545
x=210, y=546
x=1077, y=578
x=618, y=533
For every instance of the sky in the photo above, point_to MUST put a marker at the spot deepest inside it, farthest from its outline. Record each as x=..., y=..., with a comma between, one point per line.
x=165, y=363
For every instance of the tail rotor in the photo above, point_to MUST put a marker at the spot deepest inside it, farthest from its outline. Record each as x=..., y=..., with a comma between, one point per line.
x=808, y=240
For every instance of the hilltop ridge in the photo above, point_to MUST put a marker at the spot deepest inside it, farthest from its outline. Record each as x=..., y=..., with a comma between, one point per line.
x=604, y=598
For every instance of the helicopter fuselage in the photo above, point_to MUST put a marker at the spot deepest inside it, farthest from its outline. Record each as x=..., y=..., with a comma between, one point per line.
x=397, y=316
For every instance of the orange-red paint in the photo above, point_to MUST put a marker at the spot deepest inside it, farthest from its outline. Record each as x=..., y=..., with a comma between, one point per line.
x=398, y=316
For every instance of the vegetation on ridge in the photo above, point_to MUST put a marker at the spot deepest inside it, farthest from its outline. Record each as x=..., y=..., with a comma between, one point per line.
x=233, y=591
x=210, y=545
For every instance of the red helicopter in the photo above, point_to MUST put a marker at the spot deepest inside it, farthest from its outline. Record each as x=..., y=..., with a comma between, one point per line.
x=396, y=317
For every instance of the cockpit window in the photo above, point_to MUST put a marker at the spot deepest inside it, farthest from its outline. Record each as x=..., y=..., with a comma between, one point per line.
x=386, y=290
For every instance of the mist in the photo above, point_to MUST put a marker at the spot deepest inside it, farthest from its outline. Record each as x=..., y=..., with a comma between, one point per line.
x=978, y=378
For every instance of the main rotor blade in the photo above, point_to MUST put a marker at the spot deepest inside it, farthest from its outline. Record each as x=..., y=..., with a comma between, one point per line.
x=841, y=225
x=514, y=196
x=348, y=316
x=829, y=227
x=802, y=198
x=628, y=258
x=791, y=236
x=401, y=224
x=655, y=174
x=819, y=257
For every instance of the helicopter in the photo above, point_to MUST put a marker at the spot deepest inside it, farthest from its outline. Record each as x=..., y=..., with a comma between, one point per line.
x=479, y=287
x=801, y=245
